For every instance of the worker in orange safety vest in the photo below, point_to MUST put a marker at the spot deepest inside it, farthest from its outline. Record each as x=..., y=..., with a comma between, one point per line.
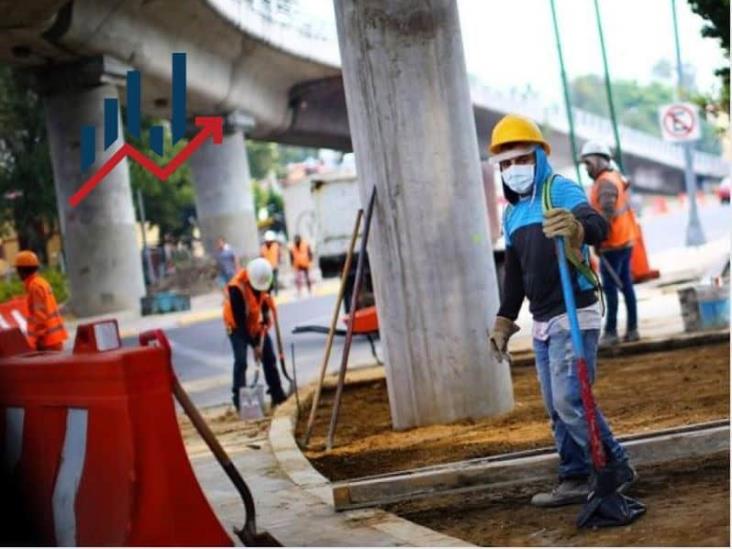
x=609, y=196
x=270, y=250
x=46, y=330
x=247, y=315
x=301, y=257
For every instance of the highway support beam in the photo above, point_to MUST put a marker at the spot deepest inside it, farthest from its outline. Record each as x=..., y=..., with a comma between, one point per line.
x=101, y=253
x=414, y=137
x=224, y=198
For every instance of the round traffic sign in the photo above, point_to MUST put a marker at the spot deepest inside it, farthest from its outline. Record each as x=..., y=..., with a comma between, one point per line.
x=679, y=121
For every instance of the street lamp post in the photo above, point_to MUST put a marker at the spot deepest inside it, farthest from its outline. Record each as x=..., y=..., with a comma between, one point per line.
x=694, y=231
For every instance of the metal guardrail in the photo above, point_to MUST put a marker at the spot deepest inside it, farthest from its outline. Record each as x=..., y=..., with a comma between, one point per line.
x=289, y=16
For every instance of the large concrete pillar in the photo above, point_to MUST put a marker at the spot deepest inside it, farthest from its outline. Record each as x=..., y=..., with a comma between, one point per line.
x=224, y=198
x=415, y=141
x=100, y=245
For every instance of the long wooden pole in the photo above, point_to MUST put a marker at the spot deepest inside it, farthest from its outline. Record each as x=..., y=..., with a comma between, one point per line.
x=349, y=334
x=332, y=329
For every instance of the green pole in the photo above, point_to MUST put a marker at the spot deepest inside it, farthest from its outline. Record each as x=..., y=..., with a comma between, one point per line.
x=608, y=87
x=565, y=87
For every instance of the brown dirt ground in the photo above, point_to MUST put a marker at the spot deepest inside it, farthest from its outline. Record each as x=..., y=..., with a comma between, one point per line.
x=687, y=505
x=637, y=393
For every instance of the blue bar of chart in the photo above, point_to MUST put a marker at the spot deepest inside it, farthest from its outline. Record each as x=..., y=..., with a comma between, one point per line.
x=88, y=144
x=178, y=116
x=156, y=139
x=111, y=117
x=134, y=105
x=133, y=119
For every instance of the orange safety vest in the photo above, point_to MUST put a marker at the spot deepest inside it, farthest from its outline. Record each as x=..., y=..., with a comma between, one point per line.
x=254, y=304
x=300, y=255
x=45, y=325
x=622, y=225
x=271, y=253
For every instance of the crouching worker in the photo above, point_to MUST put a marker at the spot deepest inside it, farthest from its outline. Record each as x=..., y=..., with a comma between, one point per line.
x=247, y=314
x=46, y=330
x=543, y=205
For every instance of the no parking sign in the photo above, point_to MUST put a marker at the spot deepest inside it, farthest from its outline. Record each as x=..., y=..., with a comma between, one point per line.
x=679, y=122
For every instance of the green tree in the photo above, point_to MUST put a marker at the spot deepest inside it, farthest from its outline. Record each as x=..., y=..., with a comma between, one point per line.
x=27, y=194
x=168, y=204
x=636, y=104
x=265, y=158
x=716, y=14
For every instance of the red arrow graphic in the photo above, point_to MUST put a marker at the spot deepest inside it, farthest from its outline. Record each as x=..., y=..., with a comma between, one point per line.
x=212, y=126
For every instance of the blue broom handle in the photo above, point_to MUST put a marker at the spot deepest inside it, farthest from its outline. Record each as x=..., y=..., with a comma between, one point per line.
x=574, y=328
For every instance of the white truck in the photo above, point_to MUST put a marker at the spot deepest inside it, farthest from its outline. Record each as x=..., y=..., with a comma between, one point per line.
x=335, y=204
x=336, y=201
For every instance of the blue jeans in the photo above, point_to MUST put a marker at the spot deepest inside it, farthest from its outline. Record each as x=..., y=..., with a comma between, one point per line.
x=619, y=260
x=239, y=344
x=560, y=389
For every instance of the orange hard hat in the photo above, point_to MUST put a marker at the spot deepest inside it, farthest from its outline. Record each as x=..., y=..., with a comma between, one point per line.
x=26, y=258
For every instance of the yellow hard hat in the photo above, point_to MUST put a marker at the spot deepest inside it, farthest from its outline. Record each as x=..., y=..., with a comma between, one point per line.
x=26, y=258
x=514, y=128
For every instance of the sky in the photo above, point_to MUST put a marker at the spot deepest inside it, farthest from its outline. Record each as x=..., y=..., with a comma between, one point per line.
x=510, y=43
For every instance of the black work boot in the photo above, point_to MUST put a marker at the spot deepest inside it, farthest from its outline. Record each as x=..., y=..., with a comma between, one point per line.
x=567, y=492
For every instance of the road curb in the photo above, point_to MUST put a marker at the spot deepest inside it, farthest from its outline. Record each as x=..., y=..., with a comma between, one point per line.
x=396, y=530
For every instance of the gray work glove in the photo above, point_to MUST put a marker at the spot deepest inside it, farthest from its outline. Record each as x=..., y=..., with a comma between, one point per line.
x=503, y=329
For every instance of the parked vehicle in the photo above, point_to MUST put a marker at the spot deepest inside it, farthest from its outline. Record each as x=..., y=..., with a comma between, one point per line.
x=723, y=191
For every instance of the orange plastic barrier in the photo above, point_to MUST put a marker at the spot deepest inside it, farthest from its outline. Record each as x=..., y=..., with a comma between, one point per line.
x=364, y=320
x=639, y=267
x=14, y=312
x=94, y=451
x=660, y=205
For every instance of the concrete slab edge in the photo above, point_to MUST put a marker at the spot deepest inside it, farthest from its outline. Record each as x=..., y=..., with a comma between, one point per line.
x=472, y=475
x=655, y=345
x=396, y=530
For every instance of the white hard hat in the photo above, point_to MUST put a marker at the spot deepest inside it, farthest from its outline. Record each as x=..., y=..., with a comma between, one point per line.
x=260, y=274
x=595, y=147
x=269, y=236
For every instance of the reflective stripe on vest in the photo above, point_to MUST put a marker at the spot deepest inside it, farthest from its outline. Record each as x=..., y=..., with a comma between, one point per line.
x=622, y=223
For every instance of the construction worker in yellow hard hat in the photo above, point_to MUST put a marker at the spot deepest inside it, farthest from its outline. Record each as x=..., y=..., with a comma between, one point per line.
x=543, y=205
x=46, y=330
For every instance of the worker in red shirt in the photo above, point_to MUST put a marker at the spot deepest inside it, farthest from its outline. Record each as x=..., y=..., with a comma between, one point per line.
x=46, y=330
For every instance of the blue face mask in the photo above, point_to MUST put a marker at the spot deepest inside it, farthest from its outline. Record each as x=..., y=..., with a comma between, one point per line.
x=519, y=177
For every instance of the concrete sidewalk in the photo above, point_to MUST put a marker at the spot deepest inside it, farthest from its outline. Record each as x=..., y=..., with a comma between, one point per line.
x=659, y=310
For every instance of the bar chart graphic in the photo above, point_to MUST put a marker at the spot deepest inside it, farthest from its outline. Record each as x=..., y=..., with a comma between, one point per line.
x=209, y=127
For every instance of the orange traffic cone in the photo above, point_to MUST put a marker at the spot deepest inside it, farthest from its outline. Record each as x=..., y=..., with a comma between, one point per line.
x=639, y=268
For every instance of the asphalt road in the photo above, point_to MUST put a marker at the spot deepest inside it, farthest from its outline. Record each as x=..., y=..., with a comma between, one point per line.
x=202, y=353
x=663, y=232
x=203, y=359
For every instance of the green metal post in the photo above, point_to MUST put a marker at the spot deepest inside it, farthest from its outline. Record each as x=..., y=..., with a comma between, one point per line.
x=565, y=86
x=608, y=88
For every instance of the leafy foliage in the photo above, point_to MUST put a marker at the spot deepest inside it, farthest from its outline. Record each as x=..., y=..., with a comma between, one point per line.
x=265, y=158
x=13, y=287
x=168, y=204
x=635, y=104
x=717, y=15
x=27, y=194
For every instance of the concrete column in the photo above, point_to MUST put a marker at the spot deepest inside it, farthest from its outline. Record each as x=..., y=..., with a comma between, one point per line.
x=100, y=244
x=415, y=141
x=224, y=199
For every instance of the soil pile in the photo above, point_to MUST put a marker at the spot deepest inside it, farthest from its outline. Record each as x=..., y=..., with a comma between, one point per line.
x=637, y=394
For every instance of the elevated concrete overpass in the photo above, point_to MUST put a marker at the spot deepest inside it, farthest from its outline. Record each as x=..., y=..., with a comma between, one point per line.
x=273, y=73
